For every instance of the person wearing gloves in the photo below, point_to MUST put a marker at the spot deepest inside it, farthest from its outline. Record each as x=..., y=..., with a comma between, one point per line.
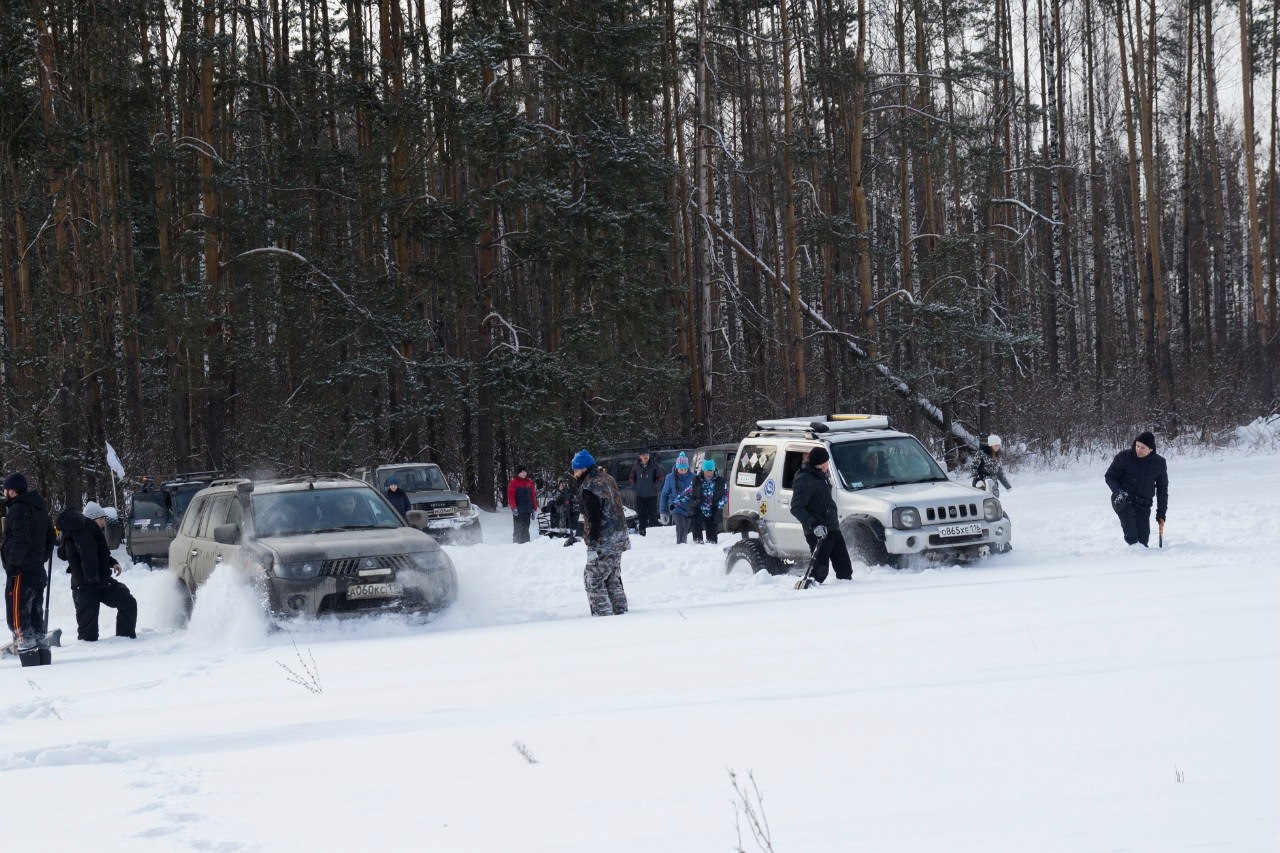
x=522, y=497
x=28, y=544
x=1135, y=477
x=815, y=509
x=988, y=468
x=706, y=498
x=91, y=566
x=604, y=527
x=670, y=507
x=398, y=497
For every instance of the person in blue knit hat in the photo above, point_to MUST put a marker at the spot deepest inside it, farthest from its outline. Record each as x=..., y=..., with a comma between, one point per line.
x=705, y=499
x=604, y=528
x=670, y=507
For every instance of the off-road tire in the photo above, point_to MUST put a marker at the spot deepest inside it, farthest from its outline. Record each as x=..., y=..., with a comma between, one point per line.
x=751, y=552
x=868, y=548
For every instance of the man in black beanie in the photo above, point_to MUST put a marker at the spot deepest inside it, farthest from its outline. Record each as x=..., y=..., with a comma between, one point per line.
x=815, y=509
x=1136, y=476
x=28, y=543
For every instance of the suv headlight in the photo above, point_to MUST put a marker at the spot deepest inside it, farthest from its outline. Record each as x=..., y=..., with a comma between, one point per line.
x=300, y=570
x=991, y=509
x=430, y=560
x=906, y=518
x=464, y=507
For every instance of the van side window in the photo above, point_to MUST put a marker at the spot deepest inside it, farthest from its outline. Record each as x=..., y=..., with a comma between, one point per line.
x=757, y=465
x=192, y=518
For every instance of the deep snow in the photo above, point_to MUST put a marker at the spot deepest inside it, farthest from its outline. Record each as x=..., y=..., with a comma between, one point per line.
x=1074, y=695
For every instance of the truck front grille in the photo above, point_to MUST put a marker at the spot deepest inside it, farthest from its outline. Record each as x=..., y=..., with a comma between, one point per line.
x=438, y=510
x=951, y=512
x=350, y=566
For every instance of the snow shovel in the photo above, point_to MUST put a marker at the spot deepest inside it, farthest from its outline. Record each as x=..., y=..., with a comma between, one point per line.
x=803, y=583
x=1161, y=533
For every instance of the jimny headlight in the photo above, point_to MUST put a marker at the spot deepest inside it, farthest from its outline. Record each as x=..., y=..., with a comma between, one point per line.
x=906, y=518
x=991, y=509
x=299, y=570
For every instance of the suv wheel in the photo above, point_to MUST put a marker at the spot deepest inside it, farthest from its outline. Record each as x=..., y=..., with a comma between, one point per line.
x=865, y=546
x=749, y=554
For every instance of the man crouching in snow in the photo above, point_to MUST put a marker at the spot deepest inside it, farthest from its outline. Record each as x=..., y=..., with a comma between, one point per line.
x=1135, y=477
x=90, y=564
x=605, y=530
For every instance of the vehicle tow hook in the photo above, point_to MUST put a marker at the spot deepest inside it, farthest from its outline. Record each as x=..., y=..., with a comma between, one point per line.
x=984, y=551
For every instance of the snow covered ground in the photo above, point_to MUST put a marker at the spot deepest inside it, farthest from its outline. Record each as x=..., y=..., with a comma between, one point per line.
x=1074, y=695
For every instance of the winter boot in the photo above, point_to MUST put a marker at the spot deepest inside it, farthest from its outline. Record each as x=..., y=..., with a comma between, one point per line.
x=29, y=657
x=46, y=657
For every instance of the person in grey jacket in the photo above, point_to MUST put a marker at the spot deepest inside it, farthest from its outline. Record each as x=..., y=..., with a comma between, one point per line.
x=815, y=509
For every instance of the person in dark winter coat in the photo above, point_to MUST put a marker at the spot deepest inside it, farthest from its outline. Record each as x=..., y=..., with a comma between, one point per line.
x=522, y=497
x=669, y=503
x=89, y=562
x=399, y=499
x=988, y=468
x=646, y=480
x=28, y=544
x=604, y=528
x=562, y=508
x=1135, y=477
x=705, y=499
x=815, y=509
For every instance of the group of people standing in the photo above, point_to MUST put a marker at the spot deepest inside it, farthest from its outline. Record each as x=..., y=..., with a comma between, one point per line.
x=30, y=538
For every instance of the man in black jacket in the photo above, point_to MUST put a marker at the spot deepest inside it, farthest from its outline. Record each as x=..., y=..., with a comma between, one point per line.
x=28, y=543
x=646, y=480
x=1135, y=477
x=90, y=564
x=813, y=506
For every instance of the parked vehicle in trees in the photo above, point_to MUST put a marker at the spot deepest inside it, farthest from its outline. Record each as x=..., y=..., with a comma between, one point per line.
x=154, y=514
x=449, y=514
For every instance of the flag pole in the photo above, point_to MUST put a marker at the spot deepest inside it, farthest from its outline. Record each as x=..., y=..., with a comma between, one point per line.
x=114, y=494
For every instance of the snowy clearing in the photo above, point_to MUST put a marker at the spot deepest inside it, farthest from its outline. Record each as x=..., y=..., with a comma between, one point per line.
x=1074, y=695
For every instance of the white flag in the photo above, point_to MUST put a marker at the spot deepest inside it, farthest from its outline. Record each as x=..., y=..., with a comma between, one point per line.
x=114, y=461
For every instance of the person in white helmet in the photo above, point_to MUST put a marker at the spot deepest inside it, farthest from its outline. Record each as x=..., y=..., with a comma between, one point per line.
x=988, y=468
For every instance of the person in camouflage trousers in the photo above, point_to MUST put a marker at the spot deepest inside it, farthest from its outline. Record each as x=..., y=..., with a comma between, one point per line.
x=604, y=529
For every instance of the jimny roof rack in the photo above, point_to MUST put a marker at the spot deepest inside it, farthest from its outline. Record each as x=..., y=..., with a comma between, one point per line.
x=820, y=424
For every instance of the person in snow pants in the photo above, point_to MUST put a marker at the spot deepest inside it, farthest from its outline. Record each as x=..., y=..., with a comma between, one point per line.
x=91, y=566
x=604, y=528
x=669, y=503
x=646, y=480
x=988, y=467
x=522, y=497
x=815, y=509
x=706, y=498
x=1135, y=477
x=28, y=544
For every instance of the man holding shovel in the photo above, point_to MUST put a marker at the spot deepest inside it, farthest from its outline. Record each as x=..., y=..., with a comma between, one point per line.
x=1136, y=477
x=815, y=509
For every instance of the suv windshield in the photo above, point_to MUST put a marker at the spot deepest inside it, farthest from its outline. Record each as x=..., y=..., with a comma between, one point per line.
x=884, y=462
x=415, y=478
x=321, y=511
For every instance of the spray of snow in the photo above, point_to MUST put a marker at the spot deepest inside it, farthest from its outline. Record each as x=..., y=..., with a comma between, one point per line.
x=228, y=612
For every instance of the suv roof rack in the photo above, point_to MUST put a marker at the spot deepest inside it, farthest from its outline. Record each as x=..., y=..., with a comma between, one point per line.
x=820, y=424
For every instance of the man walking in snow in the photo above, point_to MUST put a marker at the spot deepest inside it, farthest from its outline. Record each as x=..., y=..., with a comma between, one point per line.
x=91, y=566
x=815, y=509
x=669, y=503
x=604, y=529
x=28, y=544
x=522, y=497
x=1135, y=477
x=646, y=481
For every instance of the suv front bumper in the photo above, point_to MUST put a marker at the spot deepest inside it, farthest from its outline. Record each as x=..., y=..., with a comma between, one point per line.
x=994, y=538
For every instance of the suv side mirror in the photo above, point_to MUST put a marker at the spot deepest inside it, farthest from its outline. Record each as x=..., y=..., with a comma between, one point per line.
x=227, y=534
x=417, y=518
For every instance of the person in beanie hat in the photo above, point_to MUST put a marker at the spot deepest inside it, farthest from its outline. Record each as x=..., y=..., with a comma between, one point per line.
x=604, y=528
x=815, y=509
x=89, y=562
x=669, y=504
x=646, y=480
x=1137, y=476
x=28, y=544
x=988, y=468
x=706, y=498
x=398, y=497
x=522, y=498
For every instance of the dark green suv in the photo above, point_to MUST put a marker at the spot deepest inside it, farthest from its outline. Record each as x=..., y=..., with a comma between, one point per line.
x=155, y=513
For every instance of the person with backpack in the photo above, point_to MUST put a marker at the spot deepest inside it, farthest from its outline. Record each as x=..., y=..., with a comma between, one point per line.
x=27, y=546
x=670, y=508
x=89, y=562
x=1136, y=476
